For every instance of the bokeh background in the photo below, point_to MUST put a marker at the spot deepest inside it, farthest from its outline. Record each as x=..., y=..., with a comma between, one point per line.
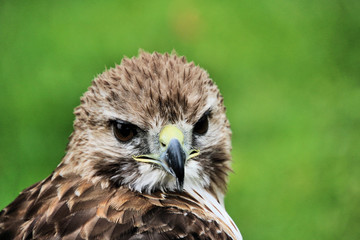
x=289, y=72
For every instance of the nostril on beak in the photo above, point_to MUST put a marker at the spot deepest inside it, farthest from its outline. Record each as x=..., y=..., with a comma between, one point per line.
x=163, y=144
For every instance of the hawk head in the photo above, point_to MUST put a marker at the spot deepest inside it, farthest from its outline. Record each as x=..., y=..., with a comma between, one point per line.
x=155, y=122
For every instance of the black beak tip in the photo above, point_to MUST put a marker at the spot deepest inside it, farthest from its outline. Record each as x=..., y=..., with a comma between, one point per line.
x=180, y=184
x=176, y=161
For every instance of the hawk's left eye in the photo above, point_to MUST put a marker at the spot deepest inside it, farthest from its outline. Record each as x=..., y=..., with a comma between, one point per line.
x=124, y=131
x=202, y=125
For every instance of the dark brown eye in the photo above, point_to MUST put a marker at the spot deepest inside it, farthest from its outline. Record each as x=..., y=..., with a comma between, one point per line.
x=202, y=125
x=124, y=131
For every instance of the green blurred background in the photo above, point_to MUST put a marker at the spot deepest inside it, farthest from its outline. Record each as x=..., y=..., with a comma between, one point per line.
x=289, y=72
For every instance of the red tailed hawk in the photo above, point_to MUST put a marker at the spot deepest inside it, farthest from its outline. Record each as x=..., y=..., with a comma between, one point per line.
x=148, y=159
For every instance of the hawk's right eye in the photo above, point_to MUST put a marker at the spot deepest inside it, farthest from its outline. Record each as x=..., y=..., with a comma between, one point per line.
x=202, y=125
x=124, y=131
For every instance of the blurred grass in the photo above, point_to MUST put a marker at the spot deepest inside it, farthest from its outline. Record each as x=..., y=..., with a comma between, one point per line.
x=289, y=72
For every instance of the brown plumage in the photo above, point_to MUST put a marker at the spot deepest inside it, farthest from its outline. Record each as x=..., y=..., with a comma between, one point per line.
x=148, y=159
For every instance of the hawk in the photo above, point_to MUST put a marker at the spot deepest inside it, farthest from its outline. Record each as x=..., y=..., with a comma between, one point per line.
x=148, y=159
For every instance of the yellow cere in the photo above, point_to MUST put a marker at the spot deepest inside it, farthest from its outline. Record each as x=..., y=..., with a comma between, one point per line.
x=169, y=132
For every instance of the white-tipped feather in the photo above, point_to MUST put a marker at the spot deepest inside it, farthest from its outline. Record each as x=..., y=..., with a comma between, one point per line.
x=207, y=199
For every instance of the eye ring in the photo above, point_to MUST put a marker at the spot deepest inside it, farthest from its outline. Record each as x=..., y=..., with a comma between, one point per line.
x=202, y=125
x=123, y=131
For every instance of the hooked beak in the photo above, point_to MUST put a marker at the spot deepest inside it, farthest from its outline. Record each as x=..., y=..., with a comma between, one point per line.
x=172, y=156
x=175, y=159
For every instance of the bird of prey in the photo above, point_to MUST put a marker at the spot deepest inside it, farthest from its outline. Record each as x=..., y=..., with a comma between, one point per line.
x=148, y=159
